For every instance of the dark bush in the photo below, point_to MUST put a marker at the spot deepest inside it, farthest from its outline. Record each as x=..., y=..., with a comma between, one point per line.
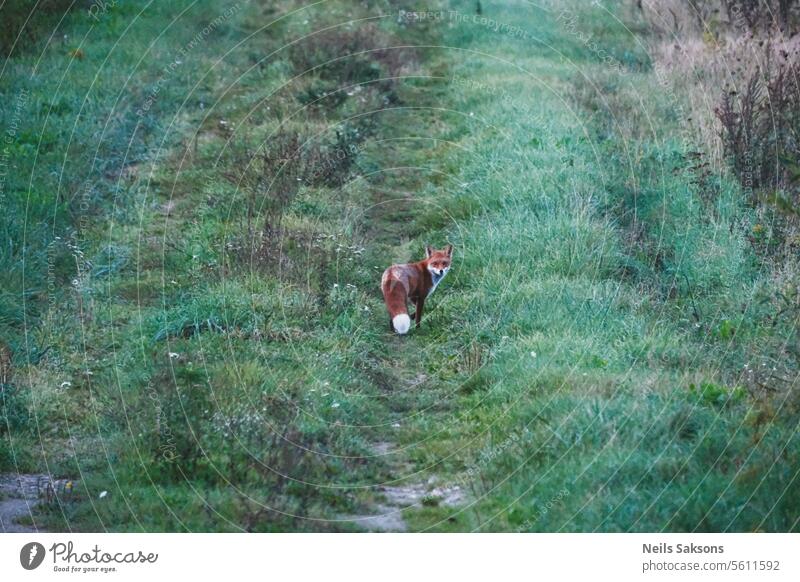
x=350, y=56
x=23, y=22
x=762, y=15
x=760, y=123
x=270, y=177
x=712, y=17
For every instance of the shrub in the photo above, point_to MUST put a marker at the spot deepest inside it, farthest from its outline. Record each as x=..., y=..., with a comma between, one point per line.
x=24, y=22
x=349, y=56
x=272, y=179
x=714, y=17
x=760, y=122
x=761, y=15
x=267, y=175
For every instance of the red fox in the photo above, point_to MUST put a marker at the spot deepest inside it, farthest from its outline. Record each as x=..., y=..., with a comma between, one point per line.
x=415, y=282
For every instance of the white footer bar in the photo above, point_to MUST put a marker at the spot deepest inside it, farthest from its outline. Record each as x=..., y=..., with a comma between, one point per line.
x=388, y=557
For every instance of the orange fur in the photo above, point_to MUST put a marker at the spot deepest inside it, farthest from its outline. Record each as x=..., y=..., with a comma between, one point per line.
x=414, y=282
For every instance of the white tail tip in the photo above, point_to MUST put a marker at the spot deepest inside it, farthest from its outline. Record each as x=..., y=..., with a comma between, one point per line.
x=401, y=323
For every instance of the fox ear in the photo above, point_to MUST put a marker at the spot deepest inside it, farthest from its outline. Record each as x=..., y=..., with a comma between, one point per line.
x=449, y=250
x=428, y=251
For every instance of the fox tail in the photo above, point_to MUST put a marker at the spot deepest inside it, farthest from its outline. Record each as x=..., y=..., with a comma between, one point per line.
x=394, y=294
x=401, y=323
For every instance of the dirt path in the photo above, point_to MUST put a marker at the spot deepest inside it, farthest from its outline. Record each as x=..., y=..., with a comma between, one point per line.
x=397, y=378
x=12, y=510
x=19, y=494
x=387, y=515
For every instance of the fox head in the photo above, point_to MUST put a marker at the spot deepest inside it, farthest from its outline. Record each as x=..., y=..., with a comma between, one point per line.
x=438, y=261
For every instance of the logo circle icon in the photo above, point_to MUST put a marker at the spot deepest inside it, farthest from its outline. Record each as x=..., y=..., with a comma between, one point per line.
x=31, y=555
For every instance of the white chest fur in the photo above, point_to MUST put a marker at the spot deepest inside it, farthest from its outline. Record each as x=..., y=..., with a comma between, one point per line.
x=436, y=279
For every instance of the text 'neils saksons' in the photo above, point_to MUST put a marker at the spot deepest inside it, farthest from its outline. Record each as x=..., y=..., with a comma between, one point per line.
x=664, y=548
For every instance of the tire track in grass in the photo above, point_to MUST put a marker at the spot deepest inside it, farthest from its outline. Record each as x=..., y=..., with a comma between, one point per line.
x=396, y=373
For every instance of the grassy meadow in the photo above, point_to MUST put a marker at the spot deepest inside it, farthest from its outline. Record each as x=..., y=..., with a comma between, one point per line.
x=199, y=199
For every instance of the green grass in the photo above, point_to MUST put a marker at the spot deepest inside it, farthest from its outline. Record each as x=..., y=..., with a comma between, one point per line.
x=585, y=366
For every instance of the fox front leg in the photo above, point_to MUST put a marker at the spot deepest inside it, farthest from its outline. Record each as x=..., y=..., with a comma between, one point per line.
x=418, y=314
